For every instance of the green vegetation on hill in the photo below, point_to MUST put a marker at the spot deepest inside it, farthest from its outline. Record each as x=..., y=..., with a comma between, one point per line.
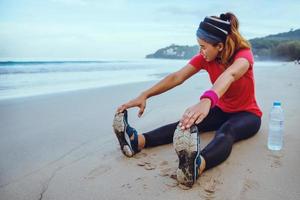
x=282, y=46
x=175, y=52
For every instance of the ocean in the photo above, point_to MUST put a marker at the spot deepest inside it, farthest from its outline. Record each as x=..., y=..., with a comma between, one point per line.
x=22, y=79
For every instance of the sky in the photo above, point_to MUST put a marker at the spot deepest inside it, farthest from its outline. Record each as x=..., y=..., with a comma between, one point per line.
x=125, y=29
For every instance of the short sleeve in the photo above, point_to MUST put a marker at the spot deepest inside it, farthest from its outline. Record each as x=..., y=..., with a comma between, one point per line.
x=245, y=53
x=197, y=61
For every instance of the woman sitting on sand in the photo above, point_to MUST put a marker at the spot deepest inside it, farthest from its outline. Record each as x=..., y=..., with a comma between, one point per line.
x=229, y=107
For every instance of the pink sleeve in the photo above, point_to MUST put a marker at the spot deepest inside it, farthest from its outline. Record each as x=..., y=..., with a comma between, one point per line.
x=245, y=53
x=197, y=61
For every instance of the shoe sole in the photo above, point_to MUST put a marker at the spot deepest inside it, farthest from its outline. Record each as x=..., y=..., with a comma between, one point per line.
x=119, y=126
x=186, y=146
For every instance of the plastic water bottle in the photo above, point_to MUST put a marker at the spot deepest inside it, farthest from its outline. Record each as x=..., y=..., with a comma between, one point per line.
x=275, y=139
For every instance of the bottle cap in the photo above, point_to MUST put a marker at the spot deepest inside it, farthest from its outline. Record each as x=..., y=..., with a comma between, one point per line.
x=276, y=103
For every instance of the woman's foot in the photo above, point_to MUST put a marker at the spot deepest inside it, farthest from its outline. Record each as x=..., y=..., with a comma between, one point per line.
x=127, y=136
x=187, y=147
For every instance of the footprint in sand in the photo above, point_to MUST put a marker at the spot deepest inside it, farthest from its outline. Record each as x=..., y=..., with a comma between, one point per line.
x=275, y=160
x=248, y=185
x=147, y=161
x=168, y=171
x=171, y=183
x=128, y=186
x=209, y=183
x=146, y=164
x=143, y=162
x=140, y=155
x=149, y=166
x=98, y=171
x=165, y=171
x=210, y=188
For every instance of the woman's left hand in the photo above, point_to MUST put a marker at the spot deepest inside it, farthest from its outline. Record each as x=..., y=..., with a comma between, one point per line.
x=195, y=114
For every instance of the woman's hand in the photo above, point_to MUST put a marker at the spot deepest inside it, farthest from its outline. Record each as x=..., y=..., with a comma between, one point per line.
x=195, y=114
x=140, y=102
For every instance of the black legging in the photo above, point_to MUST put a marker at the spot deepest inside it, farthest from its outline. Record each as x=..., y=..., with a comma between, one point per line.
x=230, y=128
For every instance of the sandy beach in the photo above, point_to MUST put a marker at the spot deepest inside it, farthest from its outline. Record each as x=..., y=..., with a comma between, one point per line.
x=62, y=146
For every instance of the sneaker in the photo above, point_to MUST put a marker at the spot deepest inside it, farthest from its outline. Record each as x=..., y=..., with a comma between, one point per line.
x=124, y=132
x=187, y=147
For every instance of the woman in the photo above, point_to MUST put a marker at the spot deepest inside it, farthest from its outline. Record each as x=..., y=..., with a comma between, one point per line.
x=229, y=107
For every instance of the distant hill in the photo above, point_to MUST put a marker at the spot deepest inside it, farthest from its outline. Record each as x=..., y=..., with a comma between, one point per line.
x=175, y=52
x=291, y=35
x=282, y=46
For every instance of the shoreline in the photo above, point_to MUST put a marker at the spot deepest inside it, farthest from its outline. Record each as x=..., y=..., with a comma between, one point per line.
x=70, y=91
x=30, y=92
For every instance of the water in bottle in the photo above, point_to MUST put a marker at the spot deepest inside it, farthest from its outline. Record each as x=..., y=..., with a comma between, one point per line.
x=275, y=138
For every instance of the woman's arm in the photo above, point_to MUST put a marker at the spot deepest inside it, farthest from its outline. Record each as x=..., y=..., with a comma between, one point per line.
x=196, y=113
x=164, y=85
x=171, y=81
x=231, y=74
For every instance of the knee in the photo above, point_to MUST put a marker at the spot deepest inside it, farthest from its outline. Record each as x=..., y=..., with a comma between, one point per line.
x=227, y=129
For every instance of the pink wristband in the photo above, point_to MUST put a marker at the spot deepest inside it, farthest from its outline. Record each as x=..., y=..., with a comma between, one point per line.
x=210, y=94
